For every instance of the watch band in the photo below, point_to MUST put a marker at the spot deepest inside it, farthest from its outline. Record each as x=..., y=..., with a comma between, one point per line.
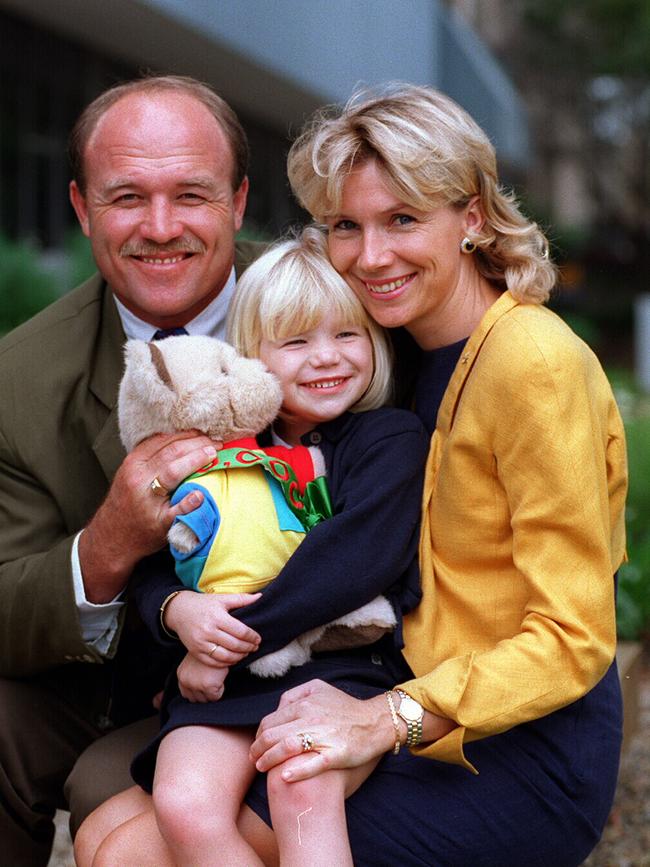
x=413, y=723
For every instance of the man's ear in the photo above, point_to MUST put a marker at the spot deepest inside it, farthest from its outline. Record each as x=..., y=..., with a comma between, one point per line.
x=474, y=216
x=78, y=201
x=239, y=203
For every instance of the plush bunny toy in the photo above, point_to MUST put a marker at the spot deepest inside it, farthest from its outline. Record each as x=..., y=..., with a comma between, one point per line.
x=258, y=502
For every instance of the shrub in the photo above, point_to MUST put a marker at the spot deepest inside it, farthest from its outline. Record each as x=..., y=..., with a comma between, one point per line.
x=79, y=258
x=25, y=285
x=634, y=576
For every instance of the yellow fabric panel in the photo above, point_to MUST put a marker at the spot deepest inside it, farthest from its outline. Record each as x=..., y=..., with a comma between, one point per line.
x=243, y=560
x=523, y=528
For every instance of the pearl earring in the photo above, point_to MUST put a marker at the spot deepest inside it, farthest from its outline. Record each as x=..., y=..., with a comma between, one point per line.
x=467, y=246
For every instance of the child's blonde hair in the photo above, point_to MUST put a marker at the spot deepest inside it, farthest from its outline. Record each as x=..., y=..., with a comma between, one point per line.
x=289, y=290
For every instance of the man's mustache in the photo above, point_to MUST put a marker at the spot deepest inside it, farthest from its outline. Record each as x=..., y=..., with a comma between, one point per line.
x=184, y=244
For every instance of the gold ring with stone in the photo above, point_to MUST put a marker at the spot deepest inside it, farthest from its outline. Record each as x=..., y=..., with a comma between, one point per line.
x=307, y=742
x=158, y=488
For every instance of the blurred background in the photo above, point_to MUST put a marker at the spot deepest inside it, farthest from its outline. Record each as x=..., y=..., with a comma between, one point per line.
x=562, y=88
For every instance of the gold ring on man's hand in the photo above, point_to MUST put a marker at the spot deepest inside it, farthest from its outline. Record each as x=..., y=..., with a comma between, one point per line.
x=158, y=488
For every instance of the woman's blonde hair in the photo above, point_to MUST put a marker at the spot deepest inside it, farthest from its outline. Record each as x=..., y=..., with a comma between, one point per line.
x=433, y=154
x=288, y=291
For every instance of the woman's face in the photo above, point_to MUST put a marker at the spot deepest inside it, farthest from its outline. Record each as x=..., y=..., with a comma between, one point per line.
x=405, y=265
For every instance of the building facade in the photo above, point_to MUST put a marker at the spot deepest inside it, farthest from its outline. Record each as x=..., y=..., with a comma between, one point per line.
x=275, y=61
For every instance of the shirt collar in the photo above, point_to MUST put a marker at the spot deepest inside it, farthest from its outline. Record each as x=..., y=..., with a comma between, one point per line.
x=331, y=431
x=211, y=321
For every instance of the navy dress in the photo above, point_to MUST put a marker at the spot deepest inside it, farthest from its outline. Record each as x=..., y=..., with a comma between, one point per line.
x=544, y=788
x=375, y=462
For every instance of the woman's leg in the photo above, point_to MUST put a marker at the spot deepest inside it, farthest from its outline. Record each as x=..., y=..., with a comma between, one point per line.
x=105, y=819
x=202, y=774
x=309, y=816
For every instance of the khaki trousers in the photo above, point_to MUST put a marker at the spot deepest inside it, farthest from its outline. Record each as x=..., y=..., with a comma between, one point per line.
x=56, y=752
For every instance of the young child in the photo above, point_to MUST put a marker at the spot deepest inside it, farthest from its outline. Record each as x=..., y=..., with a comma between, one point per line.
x=295, y=313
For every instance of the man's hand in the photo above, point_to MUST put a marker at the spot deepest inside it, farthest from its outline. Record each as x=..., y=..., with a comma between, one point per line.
x=200, y=682
x=132, y=522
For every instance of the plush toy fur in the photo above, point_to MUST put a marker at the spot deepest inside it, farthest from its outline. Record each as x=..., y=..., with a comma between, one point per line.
x=185, y=383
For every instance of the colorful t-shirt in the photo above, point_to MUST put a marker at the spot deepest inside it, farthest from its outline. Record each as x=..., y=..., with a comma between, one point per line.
x=258, y=504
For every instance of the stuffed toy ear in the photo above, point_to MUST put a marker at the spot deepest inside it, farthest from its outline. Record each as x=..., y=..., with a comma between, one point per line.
x=255, y=395
x=146, y=396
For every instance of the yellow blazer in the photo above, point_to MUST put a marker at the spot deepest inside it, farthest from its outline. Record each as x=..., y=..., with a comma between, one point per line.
x=523, y=528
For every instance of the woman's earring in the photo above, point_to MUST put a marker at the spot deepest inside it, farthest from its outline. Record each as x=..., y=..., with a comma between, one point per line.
x=467, y=246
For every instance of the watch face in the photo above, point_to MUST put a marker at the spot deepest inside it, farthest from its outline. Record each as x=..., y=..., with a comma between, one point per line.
x=410, y=709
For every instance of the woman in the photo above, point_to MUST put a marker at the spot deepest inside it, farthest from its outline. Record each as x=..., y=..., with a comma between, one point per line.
x=514, y=713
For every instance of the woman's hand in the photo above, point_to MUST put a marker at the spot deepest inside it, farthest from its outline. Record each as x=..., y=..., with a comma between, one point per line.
x=346, y=732
x=200, y=682
x=213, y=636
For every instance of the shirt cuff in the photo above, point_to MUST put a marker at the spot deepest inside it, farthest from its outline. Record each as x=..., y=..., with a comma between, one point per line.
x=98, y=622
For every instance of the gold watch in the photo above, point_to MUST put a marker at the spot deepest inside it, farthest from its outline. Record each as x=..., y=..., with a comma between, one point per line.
x=412, y=713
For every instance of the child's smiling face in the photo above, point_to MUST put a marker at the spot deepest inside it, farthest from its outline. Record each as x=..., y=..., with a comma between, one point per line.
x=323, y=372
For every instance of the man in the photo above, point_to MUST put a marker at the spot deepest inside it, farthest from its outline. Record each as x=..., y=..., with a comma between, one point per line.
x=160, y=188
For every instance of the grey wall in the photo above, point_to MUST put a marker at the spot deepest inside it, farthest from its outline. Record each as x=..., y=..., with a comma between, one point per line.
x=277, y=60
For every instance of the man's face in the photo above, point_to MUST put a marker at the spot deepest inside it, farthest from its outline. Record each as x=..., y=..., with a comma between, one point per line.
x=159, y=207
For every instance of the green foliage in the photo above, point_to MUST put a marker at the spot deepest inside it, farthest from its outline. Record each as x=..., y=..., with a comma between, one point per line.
x=634, y=576
x=600, y=36
x=250, y=231
x=623, y=381
x=25, y=286
x=80, y=264
x=585, y=327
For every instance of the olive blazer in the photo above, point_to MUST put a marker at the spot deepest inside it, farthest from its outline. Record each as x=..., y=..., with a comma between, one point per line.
x=59, y=450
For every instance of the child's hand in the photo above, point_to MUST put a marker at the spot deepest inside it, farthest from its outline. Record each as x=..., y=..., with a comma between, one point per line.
x=212, y=635
x=200, y=682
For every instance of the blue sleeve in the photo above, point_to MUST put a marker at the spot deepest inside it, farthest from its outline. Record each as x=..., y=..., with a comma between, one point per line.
x=154, y=578
x=369, y=546
x=203, y=521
